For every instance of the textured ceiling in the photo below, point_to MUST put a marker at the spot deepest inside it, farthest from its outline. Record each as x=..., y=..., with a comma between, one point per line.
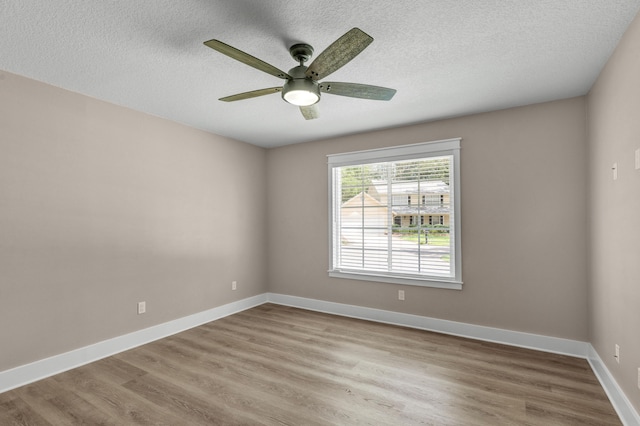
x=445, y=58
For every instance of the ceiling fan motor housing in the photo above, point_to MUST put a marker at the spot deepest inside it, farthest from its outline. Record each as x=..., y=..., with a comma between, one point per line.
x=300, y=90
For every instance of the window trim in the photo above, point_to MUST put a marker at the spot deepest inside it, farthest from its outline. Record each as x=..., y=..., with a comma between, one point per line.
x=399, y=153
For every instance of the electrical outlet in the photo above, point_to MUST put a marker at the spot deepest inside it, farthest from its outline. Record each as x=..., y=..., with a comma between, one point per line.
x=638, y=378
x=617, y=355
x=637, y=159
x=400, y=294
x=142, y=307
x=234, y=285
x=614, y=168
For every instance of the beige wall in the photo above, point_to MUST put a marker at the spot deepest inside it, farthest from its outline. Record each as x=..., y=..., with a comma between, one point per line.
x=102, y=207
x=614, y=292
x=520, y=272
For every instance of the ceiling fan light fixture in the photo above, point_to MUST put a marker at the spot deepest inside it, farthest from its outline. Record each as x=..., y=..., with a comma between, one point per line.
x=301, y=92
x=301, y=97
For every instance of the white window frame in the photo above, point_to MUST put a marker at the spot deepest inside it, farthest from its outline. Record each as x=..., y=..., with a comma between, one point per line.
x=399, y=153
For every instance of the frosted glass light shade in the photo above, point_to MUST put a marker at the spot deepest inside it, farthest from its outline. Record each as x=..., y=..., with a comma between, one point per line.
x=301, y=97
x=301, y=91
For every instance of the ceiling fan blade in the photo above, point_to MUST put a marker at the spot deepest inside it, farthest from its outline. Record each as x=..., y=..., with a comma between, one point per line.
x=245, y=58
x=339, y=53
x=252, y=94
x=310, y=112
x=355, y=90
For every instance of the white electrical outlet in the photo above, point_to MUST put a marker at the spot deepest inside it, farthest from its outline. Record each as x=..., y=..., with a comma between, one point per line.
x=142, y=307
x=638, y=378
x=234, y=285
x=617, y=355
x=400, y=294
x=637, y=158
x=615, y=171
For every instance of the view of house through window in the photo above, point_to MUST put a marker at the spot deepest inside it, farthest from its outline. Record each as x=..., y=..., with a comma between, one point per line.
x=396, y=218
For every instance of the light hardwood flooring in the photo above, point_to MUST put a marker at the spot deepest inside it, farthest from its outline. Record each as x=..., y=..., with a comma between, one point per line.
x=277, y=365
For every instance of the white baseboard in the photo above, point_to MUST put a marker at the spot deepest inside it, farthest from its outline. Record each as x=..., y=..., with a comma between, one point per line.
x=627, y=413
x=29, y=373
x=538, y=342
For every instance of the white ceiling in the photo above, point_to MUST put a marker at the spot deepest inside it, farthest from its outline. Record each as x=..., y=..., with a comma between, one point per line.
x=446, y=58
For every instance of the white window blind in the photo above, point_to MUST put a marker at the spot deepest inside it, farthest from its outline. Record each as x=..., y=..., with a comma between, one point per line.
x=395, y=214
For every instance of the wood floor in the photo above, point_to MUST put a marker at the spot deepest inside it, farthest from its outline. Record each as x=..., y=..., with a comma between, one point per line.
x=276, y=365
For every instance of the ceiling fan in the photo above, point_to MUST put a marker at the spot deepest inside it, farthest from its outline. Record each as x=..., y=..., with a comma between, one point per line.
x=302, y=86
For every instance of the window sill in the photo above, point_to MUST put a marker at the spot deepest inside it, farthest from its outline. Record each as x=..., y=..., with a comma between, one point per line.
x=420, y=282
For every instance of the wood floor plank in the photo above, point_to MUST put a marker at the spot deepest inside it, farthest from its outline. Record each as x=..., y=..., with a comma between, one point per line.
x=18, y=412
x=117, y=403
x=271, y=380
x=42, y=395
x=214, y=384
x=278, y=365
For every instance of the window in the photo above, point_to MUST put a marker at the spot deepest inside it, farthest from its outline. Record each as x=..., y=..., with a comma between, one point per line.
x=433, y=200
x=371, y=191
